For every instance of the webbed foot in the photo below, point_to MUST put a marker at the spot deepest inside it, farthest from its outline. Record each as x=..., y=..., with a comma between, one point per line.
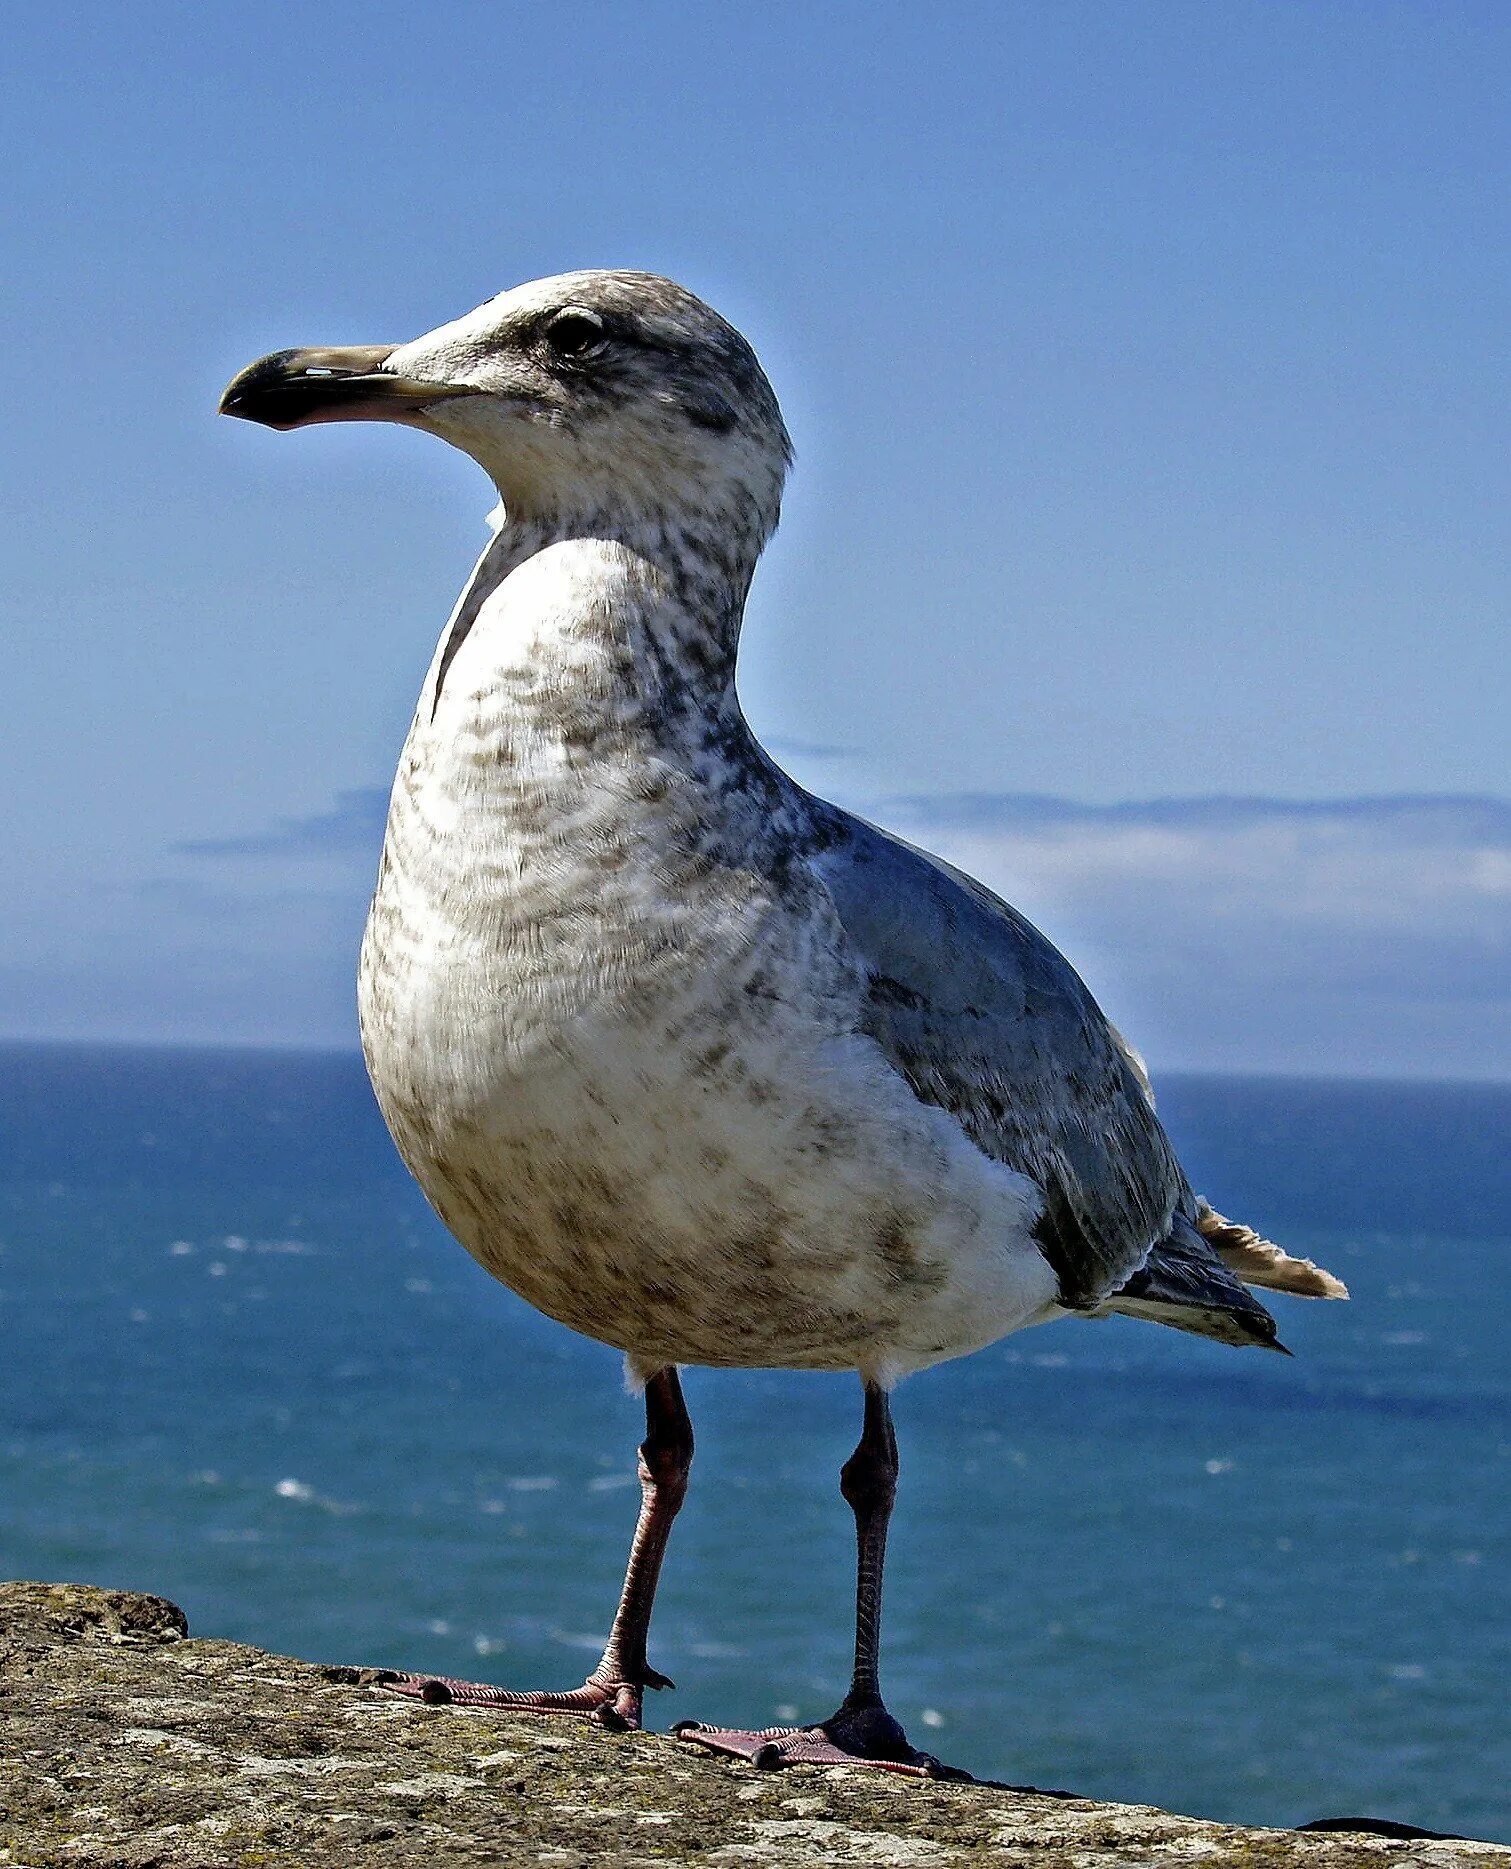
x=866, y=1736
x=614, y=1705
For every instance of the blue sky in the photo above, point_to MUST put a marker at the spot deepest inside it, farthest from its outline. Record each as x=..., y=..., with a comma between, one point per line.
x=1146, y=368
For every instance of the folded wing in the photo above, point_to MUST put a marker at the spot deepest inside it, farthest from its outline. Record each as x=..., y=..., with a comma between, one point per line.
x=983, y=1017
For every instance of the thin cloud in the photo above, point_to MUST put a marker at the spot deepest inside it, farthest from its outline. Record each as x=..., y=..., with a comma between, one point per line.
x=1375, y=932
x=1454, y=815
x=787, y=748
x=1411, y=864
x=353, y=826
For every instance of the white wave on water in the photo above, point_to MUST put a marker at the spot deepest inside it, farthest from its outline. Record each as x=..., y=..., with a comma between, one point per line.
x=237, y=1243
x=302, y=1493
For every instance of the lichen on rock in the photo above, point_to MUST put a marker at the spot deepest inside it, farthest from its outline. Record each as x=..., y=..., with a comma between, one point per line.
x=125, y=1744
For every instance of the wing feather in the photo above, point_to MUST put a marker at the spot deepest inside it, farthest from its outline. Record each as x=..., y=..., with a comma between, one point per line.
x=986, y=1019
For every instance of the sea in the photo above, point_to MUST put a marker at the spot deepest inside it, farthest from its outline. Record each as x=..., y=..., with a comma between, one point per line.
x=244, y=1367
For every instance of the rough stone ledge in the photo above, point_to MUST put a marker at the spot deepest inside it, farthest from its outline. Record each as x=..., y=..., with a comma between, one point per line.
x=124, y=1743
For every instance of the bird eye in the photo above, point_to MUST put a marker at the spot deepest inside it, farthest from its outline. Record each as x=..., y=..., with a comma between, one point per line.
x=574, y=333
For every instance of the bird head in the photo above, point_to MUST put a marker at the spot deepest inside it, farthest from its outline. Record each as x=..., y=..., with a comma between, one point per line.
x=592, y=394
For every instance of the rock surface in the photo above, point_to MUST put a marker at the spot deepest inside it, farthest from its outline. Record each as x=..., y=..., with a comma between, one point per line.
x=124, y=1743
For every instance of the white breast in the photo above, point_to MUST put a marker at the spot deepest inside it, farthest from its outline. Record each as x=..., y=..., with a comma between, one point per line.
x=627, y=1076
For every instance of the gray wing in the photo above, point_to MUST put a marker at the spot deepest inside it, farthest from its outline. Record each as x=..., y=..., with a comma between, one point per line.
x=985, y=1019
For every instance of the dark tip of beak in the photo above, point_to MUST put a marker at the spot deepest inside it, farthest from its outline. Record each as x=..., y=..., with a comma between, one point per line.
x=294, y=388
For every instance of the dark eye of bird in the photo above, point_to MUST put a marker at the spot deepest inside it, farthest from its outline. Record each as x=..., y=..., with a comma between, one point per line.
x=574, y=333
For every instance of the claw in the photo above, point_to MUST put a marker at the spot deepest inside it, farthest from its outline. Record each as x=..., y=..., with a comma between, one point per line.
x=848, y=1743
x=612, y=1705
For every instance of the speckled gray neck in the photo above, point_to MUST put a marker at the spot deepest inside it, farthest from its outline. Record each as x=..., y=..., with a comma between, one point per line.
x=678, y=607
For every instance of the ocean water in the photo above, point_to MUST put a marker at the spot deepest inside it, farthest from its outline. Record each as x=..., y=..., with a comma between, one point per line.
x=244, y=1367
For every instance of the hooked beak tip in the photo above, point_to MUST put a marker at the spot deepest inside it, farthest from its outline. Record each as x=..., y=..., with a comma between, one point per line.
x=295, y=388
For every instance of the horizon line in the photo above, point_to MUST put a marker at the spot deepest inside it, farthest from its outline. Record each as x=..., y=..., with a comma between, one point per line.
x=353, y=1053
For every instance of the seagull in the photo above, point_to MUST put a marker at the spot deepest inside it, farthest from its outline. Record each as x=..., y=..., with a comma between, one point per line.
x=701, y=1065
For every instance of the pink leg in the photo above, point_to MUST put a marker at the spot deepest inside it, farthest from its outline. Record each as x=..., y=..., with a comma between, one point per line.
x=861, y=1732
x=611, y=1695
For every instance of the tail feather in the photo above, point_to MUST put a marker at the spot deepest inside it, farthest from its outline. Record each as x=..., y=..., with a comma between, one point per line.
x=1185, y=1285
x=1261, y=1262
x=1218, y=1324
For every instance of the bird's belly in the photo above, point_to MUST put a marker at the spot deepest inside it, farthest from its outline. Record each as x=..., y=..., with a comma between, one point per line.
x=689, y=1194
